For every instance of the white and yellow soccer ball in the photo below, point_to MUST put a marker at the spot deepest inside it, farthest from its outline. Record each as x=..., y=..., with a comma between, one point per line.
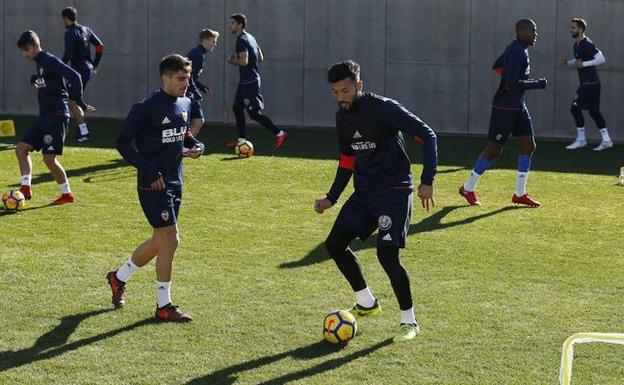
x=244, y=149
x=13, y=200
x=339, y=327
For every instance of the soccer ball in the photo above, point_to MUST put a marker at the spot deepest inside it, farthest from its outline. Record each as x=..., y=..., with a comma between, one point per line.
x=339, y=327
x=244, y=149
x=13, y=200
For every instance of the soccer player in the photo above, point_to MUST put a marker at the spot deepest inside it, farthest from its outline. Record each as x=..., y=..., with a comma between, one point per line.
x=154, y=139
x=248, y=96
x=372, y=149
x=47, y=133
x=207, y=43
x=78, y=54
x=510, y=114
x=586, y=58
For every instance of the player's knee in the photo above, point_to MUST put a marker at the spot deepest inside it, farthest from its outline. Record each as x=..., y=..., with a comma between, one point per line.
x=388, y=257
x=335, y=245
x=528, y=148
x=49, y=160
x=168, y=237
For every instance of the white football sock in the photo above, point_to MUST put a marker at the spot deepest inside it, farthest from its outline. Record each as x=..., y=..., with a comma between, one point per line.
x=164, y=293
x=365, y=298
x=521, y=183
x=84, y=130
x=240, y=140
x=407, y=316
x=605, y=135
x=26, y=180
x=280, y=133
x=471, y=183
x=580, y=134
x=126, y=270
x=65, y=188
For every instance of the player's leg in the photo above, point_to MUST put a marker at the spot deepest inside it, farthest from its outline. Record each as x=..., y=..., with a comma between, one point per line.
x=53, y=143
x=500, y=121
x=79, y=117
x=526, y=149
x=197, y=117
x=579, y=121
x=22, y=152
x=117, y=279
x=58, y=173
x=255, y=105
x=239, y=115
x=352, y=222
x=594, y=112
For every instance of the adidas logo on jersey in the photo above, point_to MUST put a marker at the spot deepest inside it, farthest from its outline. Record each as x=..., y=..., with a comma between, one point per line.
x=357, y=135
x=166, y=120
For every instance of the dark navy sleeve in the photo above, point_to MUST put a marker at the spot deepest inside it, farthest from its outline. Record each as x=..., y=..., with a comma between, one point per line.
x=498, y=65
x=197, y=64
x=75, y=90
x=400, y=118
x=69, y=46
x=346, y=164
x=514, y=73
x=133, y=126
x=589, y=50
x=241, y=45
x=99, y=47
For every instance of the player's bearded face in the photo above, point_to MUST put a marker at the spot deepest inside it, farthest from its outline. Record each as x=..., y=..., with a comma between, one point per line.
x=346, y=92
x=574, y=31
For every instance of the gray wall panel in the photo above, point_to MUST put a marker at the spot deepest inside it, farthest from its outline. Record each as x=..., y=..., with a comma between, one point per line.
x=433, y=56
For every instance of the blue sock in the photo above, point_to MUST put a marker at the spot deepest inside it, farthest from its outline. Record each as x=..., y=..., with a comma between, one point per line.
x=524, y=163
x=481, y=165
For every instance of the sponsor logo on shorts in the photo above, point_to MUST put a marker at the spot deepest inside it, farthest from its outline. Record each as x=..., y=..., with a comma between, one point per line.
x=499, y=136
x=384, y=222
x=165, y=215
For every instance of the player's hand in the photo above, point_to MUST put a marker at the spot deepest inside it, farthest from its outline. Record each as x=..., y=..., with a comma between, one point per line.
x=320, y=205
x=425, y=193
x=89, y=108
x=233, y=59
x=194, y=152
x=158, y=184
x=579, y=63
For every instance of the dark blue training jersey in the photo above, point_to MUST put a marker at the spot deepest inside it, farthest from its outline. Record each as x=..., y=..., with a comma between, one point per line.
x=51, y=90
x=586, y=50
x=249, y=73
x=158, y=126
x=370, y=137
x=77, y=47
x=514, y=66
x=196, y=56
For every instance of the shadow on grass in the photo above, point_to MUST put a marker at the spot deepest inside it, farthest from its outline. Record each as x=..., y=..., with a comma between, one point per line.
x=430, y=223
x=54, y=343
x=228, y=376
x=27, y=208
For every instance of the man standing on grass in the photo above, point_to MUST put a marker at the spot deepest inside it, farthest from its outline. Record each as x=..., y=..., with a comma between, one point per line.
x=47, y=133
x=78, y=53
x=510, y=115
x=372, y=149
x=154, y=139
x=248, y=97
x=586, y=58
x=207, y=43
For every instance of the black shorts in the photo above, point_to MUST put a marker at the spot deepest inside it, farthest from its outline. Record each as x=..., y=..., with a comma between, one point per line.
x=587, y=97
x=249, y=97
x=161, y=208
x=47, y=134
x=505, y=122
x=389, y=211
x=196, y=110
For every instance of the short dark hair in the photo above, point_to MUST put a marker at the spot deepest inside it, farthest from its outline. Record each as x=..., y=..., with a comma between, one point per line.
x=343, y=70
x=239, y=18
x=173, y=63
x=523, y=24
x=70, y=13
x=207, y=33
x=581, y=23
x=27, y=38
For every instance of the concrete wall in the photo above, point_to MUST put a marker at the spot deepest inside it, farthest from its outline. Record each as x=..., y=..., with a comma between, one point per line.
x=432, y=55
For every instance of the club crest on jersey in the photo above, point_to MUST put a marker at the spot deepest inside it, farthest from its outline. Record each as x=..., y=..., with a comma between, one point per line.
x=384, y=222
x=185, y=116
x=165, y=215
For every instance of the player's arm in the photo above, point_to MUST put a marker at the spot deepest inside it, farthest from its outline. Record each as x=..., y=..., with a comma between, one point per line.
x=498, y=65
x=133, y=126
x=346, y=165
x=513, y=74
x=260, y=54
x=598, y=59
x=241, y=58
x=193, y=148
x=69, y=47
x=99, y=48
x=73, y=78
x=196, y=66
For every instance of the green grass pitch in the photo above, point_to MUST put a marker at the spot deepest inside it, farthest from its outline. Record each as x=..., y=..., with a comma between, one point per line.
x=497, y=288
